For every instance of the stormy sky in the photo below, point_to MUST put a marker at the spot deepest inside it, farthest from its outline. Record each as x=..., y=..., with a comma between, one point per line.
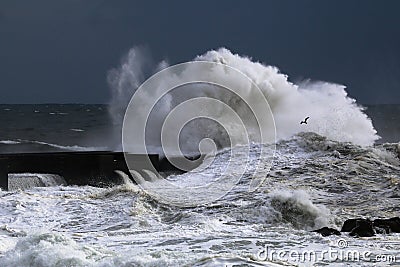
x=59, y=51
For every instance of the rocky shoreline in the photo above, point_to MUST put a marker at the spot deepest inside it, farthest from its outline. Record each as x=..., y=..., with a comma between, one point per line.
x=364, y=227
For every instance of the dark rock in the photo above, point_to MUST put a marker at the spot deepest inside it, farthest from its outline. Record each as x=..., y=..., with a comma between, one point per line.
x=350, y=224
x=393, y=224
x=364, y=228
x=326, y=231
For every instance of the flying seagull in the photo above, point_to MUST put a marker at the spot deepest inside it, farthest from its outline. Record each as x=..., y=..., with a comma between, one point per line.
x=305, y=121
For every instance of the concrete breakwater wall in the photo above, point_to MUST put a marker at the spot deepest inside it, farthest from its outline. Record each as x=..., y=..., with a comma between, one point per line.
x=95, y=168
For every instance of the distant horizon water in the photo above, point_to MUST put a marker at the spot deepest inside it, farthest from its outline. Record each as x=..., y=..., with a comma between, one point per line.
x=55, y=127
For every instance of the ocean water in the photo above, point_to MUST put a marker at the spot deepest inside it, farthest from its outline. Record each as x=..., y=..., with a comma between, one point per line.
x=343, y=164
x=54, y=127
x=313, y=182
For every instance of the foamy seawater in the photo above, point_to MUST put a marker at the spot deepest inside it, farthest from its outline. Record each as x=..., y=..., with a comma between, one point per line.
x=313, y=182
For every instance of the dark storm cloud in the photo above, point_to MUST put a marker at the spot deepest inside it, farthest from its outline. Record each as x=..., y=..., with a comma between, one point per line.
x=60, y=51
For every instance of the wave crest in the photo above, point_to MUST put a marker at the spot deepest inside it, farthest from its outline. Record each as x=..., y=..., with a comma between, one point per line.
x=332, y=112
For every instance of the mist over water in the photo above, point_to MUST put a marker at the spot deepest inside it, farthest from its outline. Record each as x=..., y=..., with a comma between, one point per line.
x=332, y=112
x=135, y=67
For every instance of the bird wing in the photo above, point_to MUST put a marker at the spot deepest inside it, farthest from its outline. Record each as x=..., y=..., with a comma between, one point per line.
x=306, y=119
